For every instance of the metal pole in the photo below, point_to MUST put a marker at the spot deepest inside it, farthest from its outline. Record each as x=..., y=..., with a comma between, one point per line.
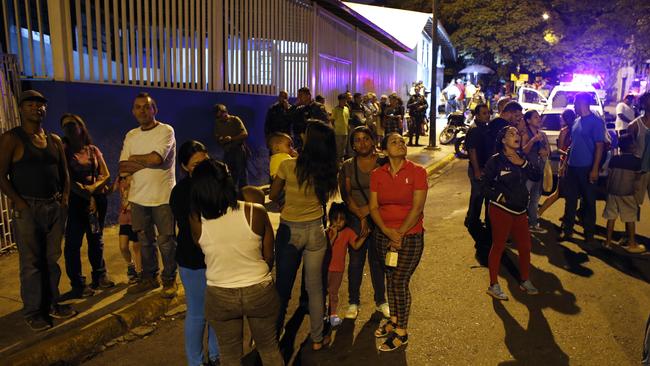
x=433, y=111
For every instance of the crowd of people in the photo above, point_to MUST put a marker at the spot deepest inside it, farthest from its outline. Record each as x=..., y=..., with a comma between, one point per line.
x=387, y=114
x=509, y=161
x=213, y=229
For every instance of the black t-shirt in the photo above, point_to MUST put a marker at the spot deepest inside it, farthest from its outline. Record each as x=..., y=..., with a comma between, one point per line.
x=301, y=114
x=277, y=120
x=188, y=254
x=495, y=126
x=478, y=138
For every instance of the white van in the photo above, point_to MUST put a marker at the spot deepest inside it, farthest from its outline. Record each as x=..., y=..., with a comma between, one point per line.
x=560, y=98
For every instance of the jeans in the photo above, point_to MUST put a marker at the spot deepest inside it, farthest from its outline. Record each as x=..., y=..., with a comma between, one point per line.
x=293, y=242
x=226, y=308
x=355, y=268
x=143, y=219
x=236, y=160
x=195, y=322
x=77, y=227
x=39, y=229
x=578, y=185
x=534, y=192
x=473, y=217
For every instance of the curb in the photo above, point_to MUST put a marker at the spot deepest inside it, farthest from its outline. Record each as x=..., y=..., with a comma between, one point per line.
x=440, y=164
x=71, y=346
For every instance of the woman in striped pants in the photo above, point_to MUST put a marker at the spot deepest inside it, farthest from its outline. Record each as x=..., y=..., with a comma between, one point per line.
x=398, y=191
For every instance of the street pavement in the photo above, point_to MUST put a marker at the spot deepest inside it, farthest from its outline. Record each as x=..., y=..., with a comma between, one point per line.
x=591, y=310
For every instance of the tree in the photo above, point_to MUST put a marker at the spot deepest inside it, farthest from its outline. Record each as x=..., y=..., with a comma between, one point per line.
x=595, y=35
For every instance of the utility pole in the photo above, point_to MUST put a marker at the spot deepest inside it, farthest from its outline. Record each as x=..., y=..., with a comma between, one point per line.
x=433, y=111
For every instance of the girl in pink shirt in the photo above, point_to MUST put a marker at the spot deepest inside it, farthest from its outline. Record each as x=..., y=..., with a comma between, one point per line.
x=340, y=236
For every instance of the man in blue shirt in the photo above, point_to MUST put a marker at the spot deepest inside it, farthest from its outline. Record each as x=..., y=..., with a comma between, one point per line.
x=587, y=148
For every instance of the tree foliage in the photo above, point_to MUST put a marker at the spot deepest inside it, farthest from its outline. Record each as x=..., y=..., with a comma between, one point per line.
x=594, y=35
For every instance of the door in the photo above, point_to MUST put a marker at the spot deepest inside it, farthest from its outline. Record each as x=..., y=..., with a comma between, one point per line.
x=530, y=98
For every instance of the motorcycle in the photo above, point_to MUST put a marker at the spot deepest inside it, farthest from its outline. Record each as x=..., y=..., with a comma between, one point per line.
x=459, y=146
x=456, y=127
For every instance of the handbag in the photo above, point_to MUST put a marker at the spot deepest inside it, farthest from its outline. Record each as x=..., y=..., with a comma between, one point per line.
x=547, y=183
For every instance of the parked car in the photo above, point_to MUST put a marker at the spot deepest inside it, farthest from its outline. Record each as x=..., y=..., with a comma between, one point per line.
x=561, y=97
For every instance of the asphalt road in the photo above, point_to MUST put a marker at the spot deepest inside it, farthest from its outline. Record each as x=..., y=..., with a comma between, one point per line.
x=591, y=311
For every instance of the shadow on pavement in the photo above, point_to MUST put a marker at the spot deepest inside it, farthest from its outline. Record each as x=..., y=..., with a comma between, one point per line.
x=634, y=265
x=345, y=349
x=535, y=344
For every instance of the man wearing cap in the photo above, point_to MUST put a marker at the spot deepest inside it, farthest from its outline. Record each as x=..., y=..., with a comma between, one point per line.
x=231, y=133
x=149, y=154
x=34, y=176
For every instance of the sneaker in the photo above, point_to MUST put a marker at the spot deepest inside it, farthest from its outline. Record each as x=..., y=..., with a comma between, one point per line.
x=103, y=282
x=496, y=292
x=38, y=323
x=353, y=311
x=335, y=321
x=145, y=284
x=169, y=289
x=537, y=229
x=636, y=249
x=384, y=309
x=131, y=273
x=81, y=292
x=528, y=288
x=62, y=311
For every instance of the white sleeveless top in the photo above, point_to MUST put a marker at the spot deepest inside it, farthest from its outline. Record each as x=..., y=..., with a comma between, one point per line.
x=233, y=252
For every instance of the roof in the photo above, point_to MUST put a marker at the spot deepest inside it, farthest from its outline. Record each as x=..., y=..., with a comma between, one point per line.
x=405, y=25
x=351, y=16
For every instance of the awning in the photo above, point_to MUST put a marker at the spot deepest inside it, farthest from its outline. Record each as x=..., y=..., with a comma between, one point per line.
x=405, y=25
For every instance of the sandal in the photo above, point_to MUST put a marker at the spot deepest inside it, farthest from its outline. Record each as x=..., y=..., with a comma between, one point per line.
x=384, y=331
x=393, y=342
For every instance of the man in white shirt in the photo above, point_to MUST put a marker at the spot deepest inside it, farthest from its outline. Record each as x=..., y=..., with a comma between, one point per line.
x=624, y=114
x=149, y=154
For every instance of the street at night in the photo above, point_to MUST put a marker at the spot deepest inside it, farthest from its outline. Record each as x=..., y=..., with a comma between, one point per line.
x=324, y=182
x=591, y=309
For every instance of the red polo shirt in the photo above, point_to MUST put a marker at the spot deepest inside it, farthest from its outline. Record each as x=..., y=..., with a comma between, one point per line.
x=395, y=194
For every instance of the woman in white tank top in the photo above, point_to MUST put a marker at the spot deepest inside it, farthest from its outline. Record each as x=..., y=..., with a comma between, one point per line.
x=237, y=241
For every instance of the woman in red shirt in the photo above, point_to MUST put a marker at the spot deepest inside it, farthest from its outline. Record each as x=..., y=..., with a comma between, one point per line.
x=398, y=190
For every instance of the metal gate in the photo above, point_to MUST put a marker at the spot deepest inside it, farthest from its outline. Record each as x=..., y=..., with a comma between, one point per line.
x=9, y=118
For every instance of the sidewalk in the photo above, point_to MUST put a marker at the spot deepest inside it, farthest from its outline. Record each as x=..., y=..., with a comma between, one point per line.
x=110, y=313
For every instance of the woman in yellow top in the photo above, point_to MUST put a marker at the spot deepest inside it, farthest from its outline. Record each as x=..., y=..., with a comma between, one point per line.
x=308, y=182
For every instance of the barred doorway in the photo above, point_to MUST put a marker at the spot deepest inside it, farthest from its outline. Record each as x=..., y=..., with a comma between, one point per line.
x=9, y=118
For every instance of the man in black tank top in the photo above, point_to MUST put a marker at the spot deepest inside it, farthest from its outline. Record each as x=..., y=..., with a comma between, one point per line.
x=34, y=176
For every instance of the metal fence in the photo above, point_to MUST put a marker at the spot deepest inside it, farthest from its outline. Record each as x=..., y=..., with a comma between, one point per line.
x=9, y=118
x=26, y=33
x=244, y=46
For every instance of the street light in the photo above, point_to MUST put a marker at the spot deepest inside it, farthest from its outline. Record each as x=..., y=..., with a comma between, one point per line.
x=545, y=16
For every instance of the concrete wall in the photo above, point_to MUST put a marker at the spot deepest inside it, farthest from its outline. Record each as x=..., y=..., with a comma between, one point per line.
x=106, y=109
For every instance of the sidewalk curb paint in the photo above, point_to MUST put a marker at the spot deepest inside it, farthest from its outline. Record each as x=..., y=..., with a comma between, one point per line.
x=439, y=165
x=72, y=345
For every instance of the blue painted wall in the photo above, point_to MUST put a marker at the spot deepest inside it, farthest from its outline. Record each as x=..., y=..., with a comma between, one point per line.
x=106, y=109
